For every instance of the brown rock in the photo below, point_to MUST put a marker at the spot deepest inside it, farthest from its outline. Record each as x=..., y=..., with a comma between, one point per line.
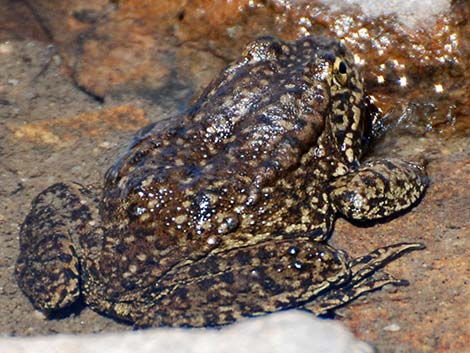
x=57, y=131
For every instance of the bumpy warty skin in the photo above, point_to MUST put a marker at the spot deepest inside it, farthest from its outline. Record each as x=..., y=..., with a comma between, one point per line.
x=223, y=212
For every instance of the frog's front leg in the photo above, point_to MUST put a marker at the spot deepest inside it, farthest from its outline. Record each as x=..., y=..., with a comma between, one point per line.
x=48, y=267
x=379, y=189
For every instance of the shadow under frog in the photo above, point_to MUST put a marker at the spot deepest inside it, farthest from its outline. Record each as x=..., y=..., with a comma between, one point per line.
x=224, y=212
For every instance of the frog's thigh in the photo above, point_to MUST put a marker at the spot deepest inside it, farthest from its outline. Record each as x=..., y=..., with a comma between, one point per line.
x=47, y=269
x=245, y=282
x=379, y=189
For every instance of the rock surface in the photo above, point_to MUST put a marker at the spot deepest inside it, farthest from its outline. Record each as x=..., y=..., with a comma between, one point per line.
x=286, y=332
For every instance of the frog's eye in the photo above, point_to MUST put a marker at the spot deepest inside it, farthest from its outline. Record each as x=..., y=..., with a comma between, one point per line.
x=340, y=70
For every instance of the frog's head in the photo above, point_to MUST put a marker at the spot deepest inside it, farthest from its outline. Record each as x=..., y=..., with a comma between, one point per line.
x=349, y=111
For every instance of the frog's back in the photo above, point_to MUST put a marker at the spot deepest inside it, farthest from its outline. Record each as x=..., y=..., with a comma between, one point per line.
x=216, y=175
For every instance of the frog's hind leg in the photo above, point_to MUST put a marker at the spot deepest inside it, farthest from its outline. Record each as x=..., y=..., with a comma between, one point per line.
x=365, y=278
x=249, y=281
x=379, y=189
x=48, y=267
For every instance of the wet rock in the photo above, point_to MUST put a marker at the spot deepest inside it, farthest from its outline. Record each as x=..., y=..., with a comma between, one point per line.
x=414, y=53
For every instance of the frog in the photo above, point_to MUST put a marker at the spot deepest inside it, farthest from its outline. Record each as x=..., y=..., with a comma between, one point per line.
x=225, y=211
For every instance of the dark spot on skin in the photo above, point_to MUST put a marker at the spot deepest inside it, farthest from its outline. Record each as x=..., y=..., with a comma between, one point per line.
x=264, y=254
x=301, y=123
x=192, y=171
x=264, y=119
x=66, y=258
x=329, y=56
x=315, y=233
x=169, y=151
x=385, y=181
x=181, y=292
x=228, y=277
x=400, y=183
x=277, y=48
x=206, y=283
x=211, y=264
x=128, y=284
x=369, y=181
x=306, y=283
x=69, y=274
x=293, y=301
x=213, y=297
x=244, y=258
x=390, y=165
x=210, y=318
x=151, y=262
x=338, y=119
x=81, y=213
x=121, y=248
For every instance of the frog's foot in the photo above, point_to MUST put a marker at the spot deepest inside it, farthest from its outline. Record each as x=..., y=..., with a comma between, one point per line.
x=364, y=278
x=379, y=189
x=48, y=267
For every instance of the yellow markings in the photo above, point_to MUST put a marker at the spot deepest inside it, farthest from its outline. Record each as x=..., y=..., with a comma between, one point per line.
x=200, y=116
x=306, y=219
x=350, y=155
x=133, y=268
x=264, y=82
x=152, y=203
x=218, y=185
x=296, y=228
x=286, y=99
x=129, y=240
x=181, y=219
x=347, y=140
x=341, y=169
x=121, y=309
x=145, y=217
x=147, y=182
x=356, y=117
x=141, y=257
x=151, y=238
x=268, y=72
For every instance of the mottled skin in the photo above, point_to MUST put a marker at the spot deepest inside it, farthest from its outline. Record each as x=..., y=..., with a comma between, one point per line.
x=224, y=212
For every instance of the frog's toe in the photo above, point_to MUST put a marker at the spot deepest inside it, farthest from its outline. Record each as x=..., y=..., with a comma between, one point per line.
x=48, y=268
x=379, y=189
